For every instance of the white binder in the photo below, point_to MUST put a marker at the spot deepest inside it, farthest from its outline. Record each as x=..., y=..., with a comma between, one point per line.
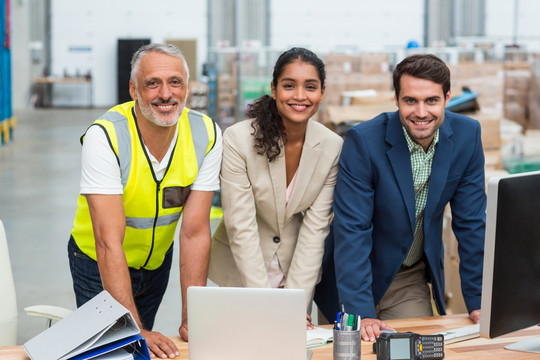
x=101, y=328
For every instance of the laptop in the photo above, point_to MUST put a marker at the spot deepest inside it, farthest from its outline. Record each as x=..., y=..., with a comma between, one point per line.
x=228, y=323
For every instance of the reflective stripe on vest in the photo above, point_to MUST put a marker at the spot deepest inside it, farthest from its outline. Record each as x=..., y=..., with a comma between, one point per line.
x=148, y=223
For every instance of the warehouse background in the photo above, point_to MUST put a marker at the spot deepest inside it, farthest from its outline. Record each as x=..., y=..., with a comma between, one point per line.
x=69, y=61
x=62, y=37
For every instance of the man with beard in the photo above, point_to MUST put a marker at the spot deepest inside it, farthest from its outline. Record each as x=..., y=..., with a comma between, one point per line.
x=397, y=173
x=144, y=164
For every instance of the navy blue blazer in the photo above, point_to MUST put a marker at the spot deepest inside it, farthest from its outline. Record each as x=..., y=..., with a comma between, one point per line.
x=374, y=208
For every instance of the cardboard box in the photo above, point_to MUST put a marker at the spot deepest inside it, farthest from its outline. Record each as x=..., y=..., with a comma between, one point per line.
x=367, y=97
x=339, y=114
x=534, y=94
x=531, y=142
x=490, y=121
x=534, y=115
x=475, y=70
x=493, y=159
x=371, y=64
x=332, y=95
x=487, y=79
x=517, y=65
x=453, y=295
x=516, y=112
x=337, y=79
x=338, y=63
x=490, y=90
x=518, y=79
x=361, y=81
x=189, y=50
x=518, y=96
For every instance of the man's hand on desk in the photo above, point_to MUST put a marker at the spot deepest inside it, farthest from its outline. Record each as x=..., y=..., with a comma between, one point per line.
x=371, y=329
x=160, y=345
x=475, y=316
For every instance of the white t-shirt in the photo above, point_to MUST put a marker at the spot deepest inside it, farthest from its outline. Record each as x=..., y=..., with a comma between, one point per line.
x=100, y=173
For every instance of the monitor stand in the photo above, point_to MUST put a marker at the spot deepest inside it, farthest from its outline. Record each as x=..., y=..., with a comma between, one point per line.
x=531, y=345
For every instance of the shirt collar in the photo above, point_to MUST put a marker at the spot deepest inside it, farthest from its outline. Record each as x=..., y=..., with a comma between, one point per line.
x=414, y=146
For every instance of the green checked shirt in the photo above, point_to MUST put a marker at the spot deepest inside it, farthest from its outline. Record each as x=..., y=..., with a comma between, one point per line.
x=421, y=168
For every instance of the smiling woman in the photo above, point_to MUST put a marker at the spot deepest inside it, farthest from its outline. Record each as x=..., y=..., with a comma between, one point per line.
x=298, y=93
x=277, y=187
x=271, y=114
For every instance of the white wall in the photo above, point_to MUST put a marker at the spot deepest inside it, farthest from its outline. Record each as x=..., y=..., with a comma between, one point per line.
x=500, y=20
x=96, y=25
x=326, y=25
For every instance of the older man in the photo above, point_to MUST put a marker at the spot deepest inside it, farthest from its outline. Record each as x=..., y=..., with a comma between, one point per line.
x=144, y=164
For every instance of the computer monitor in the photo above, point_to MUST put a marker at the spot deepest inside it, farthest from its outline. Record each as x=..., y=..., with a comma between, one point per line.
x=511, y=284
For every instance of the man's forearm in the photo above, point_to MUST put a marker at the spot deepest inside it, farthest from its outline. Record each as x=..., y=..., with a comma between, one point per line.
x=116, y=280
x=194, y=260
x=195, y=240
x=108, y=222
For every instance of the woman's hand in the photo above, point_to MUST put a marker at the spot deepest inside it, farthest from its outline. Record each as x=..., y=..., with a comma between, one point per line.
x=309, y=325
x=183, y=330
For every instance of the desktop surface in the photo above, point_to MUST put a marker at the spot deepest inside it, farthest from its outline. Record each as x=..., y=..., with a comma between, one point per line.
x=476, y=349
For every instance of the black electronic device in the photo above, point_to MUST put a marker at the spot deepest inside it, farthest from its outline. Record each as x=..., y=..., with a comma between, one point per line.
x=408, y=346
x=510, y=287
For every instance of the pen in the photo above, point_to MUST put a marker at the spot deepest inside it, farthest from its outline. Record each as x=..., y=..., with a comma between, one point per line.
x=338, y=320
x=358, y=323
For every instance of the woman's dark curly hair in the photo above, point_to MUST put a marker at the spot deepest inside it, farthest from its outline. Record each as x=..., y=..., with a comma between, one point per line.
x=267, y=125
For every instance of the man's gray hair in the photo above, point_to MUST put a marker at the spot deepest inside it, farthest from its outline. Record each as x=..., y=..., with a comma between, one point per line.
x=166, y=49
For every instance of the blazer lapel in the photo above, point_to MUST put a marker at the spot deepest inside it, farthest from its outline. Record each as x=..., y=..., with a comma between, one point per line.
x=308, y=163
x=400, y=160
x=279, y=184
x=440, y=166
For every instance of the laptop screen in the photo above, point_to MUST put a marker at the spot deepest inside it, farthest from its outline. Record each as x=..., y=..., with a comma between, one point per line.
x=246, y=323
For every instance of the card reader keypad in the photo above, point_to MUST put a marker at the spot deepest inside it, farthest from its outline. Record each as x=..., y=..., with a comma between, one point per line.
x=430, y=347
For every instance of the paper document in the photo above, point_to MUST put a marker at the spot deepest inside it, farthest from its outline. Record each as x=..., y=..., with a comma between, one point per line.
x=319, y=336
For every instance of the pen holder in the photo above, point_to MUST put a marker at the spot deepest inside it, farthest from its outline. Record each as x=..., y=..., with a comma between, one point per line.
x=346, y=345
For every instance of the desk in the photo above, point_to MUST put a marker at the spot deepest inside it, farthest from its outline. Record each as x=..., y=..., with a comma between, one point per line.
x=62, y=92
x=476, y=349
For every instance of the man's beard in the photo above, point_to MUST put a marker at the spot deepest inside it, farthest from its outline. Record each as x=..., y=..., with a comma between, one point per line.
x=159, y=119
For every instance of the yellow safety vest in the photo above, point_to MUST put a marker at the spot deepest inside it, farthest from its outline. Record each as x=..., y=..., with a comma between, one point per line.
x=152, y=208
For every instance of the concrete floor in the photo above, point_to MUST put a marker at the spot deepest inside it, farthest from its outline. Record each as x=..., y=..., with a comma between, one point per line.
x=39, y=185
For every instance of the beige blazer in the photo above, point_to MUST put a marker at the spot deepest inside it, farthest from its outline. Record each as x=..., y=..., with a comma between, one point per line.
x=258, y=223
